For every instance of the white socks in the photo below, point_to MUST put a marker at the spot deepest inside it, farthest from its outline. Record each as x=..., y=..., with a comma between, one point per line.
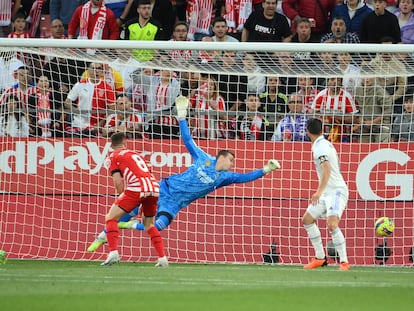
x=339, y=242
x=315, y=236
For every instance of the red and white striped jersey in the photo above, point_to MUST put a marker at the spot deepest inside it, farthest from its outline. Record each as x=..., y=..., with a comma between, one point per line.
x=200, y=15
x=308, y=99
x=134, y=170
x=15, y=35
x=128, y=121
x=22, y=95
x=208, y=126
x=180, y=54
x=6, y=7
x=342, y=103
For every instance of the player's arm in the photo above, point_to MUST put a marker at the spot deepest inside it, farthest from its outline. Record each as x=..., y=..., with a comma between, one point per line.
x=181, y=105
x=118, y=181
x=325, y=174
x=256, y=174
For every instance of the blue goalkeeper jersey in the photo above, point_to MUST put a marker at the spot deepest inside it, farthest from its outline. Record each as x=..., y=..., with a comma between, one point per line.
x=201, y=178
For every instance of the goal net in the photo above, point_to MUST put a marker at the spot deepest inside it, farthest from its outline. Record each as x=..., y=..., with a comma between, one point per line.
x=62, y=99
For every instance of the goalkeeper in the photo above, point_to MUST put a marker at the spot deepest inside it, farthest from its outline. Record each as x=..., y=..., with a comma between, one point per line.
x=206, y=174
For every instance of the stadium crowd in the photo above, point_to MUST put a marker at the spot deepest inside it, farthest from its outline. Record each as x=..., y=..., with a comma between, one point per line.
x=56, y=97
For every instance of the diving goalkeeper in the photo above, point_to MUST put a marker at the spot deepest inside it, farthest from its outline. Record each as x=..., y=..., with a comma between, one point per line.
x=206, y=174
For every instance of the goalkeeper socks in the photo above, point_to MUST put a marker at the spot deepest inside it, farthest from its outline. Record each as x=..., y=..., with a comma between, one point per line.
x=156, y=241
x=161, y=223
x=315, y=236
x=112, y=234
x=339, y=243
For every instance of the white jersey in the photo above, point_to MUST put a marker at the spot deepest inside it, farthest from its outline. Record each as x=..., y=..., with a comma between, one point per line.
x=324, y=148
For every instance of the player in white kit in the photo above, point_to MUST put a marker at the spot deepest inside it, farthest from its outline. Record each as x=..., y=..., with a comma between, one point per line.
x=330, y=199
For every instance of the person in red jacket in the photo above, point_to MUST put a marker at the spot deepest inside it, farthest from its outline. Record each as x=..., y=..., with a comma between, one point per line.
x=94, y=21
x=317, y=11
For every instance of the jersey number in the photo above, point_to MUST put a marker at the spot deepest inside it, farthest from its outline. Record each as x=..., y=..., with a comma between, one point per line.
x=140, y=163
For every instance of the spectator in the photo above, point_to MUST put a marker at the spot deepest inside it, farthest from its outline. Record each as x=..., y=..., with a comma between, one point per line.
x=13, y=122
x=337, y=107
x=235, y=14
x=303, y=31
x=161, y=12
x=45, y=110
x=288, y=68
x=351, y=72
x=111, y=76
x=116, y=6
x=379, y=24
x=89, y=95
x=125, y=119
x=406, y=20
x=19, y=26
x=253, y=126
x=143, y=28
x=180, y=33
x=161, y=90
x=293, y=126
x=317, y=11
x=308, y=92
x=22, y=89
x=9, y=63
x=274, y=101
x=375, y=106
x=220, y=30
x=390, y=73
x=64, y=10
x=256, y=82
x=208, y=123
x=353, y=12
x=94, y=21
x=403, y=126
x=266, y=25
x=190, y=81
x=339, y=33
x=233, y=87
x=57, y=29
x=8, y=10
x=209, y=56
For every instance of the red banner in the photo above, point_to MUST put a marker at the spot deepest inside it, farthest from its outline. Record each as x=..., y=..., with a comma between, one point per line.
x=63, y=183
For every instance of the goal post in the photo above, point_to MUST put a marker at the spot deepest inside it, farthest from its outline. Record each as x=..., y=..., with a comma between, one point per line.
x=55, y=190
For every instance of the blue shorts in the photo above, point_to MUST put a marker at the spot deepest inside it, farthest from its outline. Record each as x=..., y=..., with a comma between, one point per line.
x=166, y=202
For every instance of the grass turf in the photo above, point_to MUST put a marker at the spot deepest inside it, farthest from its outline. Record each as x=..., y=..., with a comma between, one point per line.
x=69, y=285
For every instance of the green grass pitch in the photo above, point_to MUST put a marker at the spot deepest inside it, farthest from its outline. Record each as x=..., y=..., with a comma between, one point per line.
x=69, y=285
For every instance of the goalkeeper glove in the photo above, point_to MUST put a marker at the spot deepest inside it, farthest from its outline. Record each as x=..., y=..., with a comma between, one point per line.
x=271, y=166
x=181, y=104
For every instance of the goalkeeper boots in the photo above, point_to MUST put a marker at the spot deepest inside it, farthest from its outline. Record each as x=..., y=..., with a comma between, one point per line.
x=344, y=266
x=95, y=244
x=113, y=257
x=127, y=224
x=162, y=262
x=316, y=263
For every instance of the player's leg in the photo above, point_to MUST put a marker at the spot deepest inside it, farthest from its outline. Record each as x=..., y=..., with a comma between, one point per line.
x=162, y=221
x=101, y=238
x=338, y=204
x=112, y=233
x=309, y=222
x=149, y=207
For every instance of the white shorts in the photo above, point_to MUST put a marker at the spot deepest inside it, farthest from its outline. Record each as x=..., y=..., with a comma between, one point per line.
x=332, y=203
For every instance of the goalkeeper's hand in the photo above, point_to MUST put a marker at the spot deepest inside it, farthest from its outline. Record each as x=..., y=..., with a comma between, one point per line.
x=271, y=166
x=181, y=104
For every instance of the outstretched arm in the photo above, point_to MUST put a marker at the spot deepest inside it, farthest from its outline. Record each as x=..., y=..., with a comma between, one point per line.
x=181, y=104
x=251, y=176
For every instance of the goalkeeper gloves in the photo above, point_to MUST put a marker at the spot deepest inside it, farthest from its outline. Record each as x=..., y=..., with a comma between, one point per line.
x=181, y=104
x=271, y=166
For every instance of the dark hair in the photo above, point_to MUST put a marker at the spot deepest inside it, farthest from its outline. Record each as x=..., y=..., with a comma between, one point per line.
x=180, y=23
x=224, y=153
x=144, y=2
x=19, y=15
x=219, y=19
x=314, y=126
x=387, y=39
x=303, y=20
x=117, y=139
